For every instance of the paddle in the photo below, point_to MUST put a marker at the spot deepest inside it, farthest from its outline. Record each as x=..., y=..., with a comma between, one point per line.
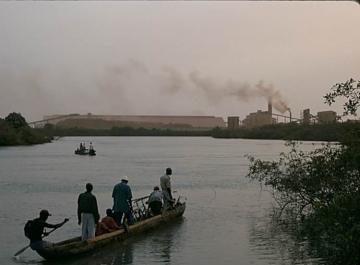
x=25, y=248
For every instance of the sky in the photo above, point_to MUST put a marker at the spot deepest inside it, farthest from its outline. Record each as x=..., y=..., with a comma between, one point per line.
x=174, y=58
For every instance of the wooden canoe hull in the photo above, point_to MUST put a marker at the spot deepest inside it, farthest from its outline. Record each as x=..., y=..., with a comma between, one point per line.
x=75, y=246
x=85, y=152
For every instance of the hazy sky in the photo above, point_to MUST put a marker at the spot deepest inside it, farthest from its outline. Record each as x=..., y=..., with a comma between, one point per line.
x=174, y=58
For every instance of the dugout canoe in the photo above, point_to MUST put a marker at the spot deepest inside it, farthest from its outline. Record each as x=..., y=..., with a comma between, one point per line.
x=90, y=152
x=75, y=246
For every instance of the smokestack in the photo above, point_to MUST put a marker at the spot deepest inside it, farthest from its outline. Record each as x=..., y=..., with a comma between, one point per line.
x=269, y=107
x=290, y=114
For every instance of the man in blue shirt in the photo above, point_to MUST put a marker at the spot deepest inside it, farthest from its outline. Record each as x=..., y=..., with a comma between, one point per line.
x=122, y=201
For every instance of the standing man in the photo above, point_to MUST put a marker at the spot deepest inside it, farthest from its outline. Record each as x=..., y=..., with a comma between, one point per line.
x=34, y=230
x=122, y=201
x=166, y=189
x=88, y=214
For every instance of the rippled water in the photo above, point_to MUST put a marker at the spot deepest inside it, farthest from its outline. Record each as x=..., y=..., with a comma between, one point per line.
x=226, y=221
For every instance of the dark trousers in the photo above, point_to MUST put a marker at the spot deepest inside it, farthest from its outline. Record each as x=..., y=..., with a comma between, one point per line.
x=155, y=207
x=119, y=215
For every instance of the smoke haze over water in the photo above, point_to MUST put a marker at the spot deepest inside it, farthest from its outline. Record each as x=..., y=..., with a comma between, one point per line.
x=118, y=88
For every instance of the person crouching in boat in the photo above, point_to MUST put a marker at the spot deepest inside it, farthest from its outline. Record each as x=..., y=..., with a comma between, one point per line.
x=155, y=201
x=122, y=201
x=88, y=214
x=107, y=224
x=34, y=230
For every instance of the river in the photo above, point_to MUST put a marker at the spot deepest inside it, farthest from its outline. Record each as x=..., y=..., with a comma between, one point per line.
x=227, y=219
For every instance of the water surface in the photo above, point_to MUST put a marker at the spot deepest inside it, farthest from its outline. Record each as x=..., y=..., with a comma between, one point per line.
x=227, y=217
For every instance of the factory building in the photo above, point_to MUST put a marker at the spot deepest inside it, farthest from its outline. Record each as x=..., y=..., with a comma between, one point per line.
x=322, y=117
x=233, y=122
x=146, y=121
x=326, y=116
x=258, y=119
x=306, y=116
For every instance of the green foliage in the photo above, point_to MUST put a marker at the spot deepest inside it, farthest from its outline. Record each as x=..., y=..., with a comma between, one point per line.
x=334, y=231
x=7, y=133
x=15, y=131
x=322, y=189
x=322, y=186
x=16, y=120
x=302, y=181
x=350, y=90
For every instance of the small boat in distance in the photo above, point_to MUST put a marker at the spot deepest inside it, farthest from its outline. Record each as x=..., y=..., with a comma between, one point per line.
x=75, y=246
x=82, y=150
x=90, y=152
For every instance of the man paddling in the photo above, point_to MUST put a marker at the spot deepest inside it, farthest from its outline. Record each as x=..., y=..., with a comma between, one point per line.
x=34, y=230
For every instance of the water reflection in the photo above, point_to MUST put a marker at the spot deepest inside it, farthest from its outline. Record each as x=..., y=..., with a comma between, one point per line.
x=273, y=240
x=154, y=247
x=160, y=246
x=118, y=253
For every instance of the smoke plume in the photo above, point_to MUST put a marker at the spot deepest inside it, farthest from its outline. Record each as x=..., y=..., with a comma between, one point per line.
x=216, y=92
x=128, y=88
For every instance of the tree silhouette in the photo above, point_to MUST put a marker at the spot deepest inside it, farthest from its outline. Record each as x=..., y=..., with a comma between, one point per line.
x=16, y=120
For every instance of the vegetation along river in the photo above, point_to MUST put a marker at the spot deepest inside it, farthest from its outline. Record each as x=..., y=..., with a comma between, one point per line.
x=227, y=220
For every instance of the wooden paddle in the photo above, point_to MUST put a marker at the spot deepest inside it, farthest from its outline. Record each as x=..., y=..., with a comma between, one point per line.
x=25, y=248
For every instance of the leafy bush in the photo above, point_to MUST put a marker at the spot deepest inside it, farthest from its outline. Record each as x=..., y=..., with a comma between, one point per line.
x=16, y=120
x=15, y=131
x=321, y=187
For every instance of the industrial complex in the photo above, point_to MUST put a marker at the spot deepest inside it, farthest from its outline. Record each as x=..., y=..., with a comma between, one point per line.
x=252, y=120
x=146, y=121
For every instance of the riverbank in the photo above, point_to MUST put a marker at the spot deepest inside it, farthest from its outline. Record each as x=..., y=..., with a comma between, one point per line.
x=293, y=131
x=24, y=135
x=15, y=131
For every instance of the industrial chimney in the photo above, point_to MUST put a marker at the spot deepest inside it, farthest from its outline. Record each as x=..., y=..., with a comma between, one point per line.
x=289, y=113
x=269, y=107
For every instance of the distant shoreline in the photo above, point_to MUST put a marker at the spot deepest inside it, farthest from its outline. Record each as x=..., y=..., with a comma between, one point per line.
x=297, y=132
x=293, y=131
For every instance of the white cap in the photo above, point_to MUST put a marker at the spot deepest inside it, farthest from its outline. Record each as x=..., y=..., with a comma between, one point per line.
x=125, y=178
